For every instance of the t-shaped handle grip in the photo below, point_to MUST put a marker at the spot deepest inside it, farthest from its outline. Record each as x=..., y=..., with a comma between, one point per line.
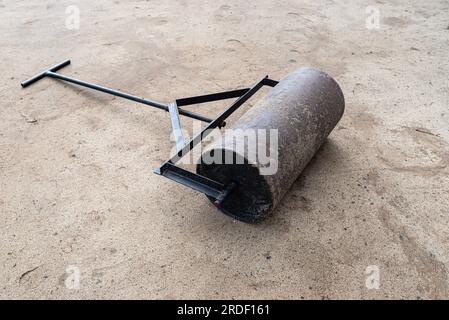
x=41, y=75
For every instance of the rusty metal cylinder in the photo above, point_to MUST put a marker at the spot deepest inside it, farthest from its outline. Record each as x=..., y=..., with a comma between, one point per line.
x=290, y=123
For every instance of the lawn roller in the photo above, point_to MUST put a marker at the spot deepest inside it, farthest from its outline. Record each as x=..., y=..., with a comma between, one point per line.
x=302, y=109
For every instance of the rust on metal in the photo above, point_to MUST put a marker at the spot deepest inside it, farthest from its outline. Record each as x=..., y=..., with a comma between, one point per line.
x=304, y=108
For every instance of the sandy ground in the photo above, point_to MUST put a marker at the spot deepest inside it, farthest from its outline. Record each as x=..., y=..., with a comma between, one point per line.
x=78, y=195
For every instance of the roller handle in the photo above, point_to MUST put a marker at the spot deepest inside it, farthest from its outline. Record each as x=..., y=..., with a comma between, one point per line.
x=41, y=75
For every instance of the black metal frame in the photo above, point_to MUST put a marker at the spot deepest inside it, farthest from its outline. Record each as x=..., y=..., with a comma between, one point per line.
x=169, y=169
